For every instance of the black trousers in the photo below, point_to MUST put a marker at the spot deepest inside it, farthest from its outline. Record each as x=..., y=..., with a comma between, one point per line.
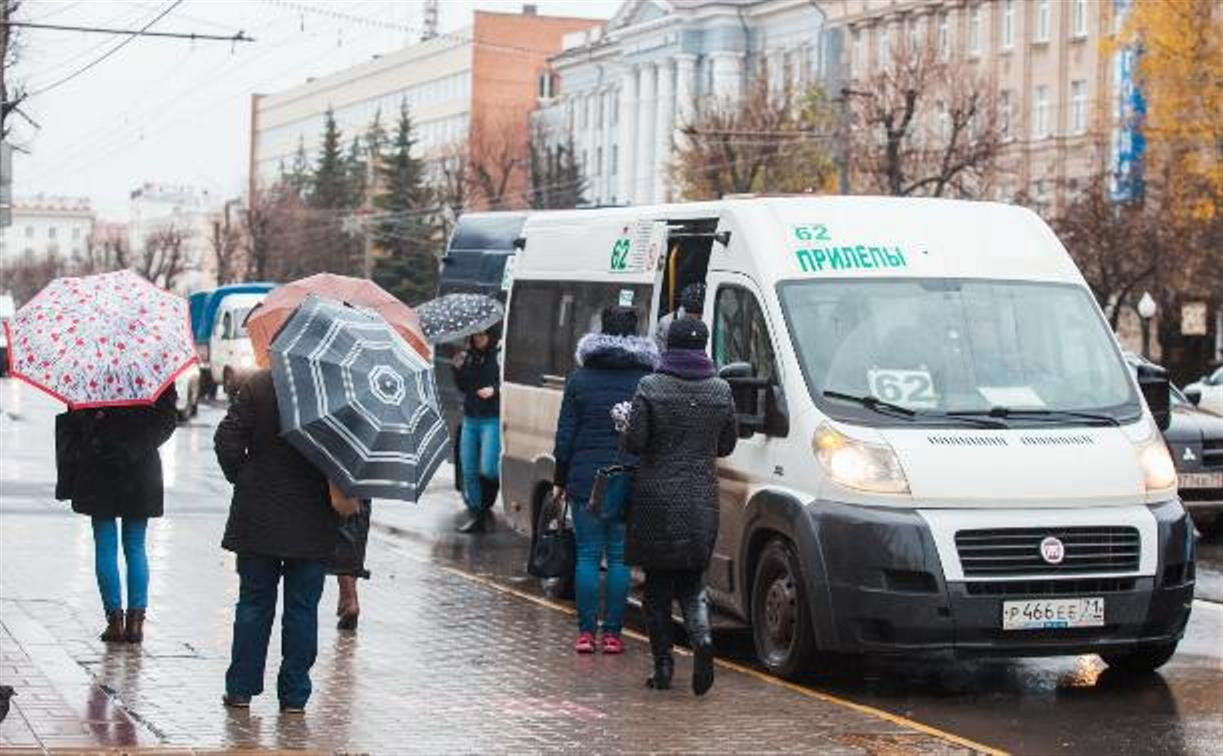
x=661, y=588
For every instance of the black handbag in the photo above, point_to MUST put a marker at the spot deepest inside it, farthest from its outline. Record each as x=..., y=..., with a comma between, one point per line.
x=67, y=452
x=609, y=496
x=554, y=551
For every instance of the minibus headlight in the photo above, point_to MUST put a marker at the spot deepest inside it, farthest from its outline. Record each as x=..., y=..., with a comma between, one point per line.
x=1157, y=469
x=857, y=464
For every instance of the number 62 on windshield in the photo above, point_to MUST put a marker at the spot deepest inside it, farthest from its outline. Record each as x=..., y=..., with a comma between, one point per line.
x=908, y=388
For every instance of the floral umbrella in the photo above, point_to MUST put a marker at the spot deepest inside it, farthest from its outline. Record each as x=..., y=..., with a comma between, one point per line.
x=107, y=340
x=455, y=316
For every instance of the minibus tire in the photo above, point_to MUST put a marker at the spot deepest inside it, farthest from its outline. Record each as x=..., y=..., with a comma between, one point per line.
x=1144, y=659
x=781, y=619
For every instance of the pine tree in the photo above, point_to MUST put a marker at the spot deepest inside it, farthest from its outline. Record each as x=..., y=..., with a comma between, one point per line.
x=329, y=186
x=355, y=166
x=407, y=266
x=376, y=138
x=298, y=175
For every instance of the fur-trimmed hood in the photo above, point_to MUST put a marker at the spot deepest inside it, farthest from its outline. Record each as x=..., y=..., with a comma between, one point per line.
x=599, y=350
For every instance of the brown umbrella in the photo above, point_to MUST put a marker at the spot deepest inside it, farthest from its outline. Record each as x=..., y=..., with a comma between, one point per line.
x=266, y=320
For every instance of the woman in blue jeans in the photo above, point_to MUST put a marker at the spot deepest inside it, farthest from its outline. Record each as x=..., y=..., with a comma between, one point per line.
x=110, y=469
x=478, y=376
x=610, y=364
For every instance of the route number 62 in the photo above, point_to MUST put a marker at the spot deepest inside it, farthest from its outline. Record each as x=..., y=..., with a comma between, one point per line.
x=908, y=388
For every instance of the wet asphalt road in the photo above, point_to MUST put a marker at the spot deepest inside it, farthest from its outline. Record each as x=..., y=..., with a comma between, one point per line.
x=1042, y=706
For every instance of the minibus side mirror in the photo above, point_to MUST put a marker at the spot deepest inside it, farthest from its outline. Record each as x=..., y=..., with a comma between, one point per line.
x=760, y=405
x=1194, y=396
x=1153, y=382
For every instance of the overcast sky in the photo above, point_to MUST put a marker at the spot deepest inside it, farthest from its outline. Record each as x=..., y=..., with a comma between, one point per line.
x=176, y=111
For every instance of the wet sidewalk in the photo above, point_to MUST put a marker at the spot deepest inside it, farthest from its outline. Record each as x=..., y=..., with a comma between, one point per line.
x=444, y=661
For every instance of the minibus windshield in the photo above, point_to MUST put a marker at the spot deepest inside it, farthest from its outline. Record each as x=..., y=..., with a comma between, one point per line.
x=1033, y=353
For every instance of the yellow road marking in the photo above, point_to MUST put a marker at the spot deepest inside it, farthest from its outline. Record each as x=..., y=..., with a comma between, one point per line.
x=763, y=677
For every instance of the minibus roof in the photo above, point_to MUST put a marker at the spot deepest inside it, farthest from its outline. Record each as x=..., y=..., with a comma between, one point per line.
x=813, y=237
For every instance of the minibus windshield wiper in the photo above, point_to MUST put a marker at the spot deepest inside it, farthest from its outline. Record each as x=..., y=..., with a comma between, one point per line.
x=897, y=410
x=1037, y=414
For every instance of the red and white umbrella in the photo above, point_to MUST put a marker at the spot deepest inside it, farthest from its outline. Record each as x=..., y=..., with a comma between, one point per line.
x=108, y=340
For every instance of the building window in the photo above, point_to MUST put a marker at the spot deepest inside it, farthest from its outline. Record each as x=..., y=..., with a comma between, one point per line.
x=1005, y=114
x=855, y=56
x=1008, y=24
x=51, y=232
x=584, y=118
x=1080, y=18
x=885, y=46
x=944, y=41
x=974, y=30
x=942, y=120
x=1040, y=113
x=545, y=85
x=614, y=101
x=29, y=232
x=1043, y=19
x=599, y=161
x=912, y=36
x=76, y=233
x=599, y=110
x=583, y=164
x=1078, y=107
x=614, y=164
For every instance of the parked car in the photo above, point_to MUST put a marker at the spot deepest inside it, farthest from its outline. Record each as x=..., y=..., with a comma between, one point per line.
x=1195, y=440
x=187, y=386
x=1207, y=392
x=7, y=308
x=942, y=448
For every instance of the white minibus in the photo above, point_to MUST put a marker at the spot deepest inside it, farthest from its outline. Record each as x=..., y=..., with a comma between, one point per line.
x=942, y=447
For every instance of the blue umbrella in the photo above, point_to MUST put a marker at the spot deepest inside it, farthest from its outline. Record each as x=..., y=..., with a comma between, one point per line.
x=357, y=401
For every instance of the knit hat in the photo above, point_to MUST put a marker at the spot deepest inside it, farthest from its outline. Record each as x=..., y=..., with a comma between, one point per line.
x=618, y=321
x=692, y=298
x=686, y=333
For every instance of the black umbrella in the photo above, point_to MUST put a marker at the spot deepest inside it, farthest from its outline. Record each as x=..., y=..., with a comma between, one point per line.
x=357, y=401
x=456, y=316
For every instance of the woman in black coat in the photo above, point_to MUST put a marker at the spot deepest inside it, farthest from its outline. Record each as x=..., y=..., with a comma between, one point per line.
x=683, y=419
x=611, y=363
x=283, y=529
x=109, y=468
x=478, y=376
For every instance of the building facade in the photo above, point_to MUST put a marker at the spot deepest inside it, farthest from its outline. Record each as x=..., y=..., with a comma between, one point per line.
x=625, y=90
x=157, y=207
x=1057, y=92
x=47, y=227
x=463, y=89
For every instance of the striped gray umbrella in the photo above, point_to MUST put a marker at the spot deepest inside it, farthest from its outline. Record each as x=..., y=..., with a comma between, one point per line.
x=451, y=317
x=357, y=401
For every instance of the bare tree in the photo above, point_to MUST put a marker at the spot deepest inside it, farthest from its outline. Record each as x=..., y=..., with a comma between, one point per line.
x=11, y=95
x=922, y=125
x=776, y=138
x=451, y=180
x=227, y=248
x=555, y=176
x=106, y=250
x=28, y=275
x=164, y=258
x=497, y=164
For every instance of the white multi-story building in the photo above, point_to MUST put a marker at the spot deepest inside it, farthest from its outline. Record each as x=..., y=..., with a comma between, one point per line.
x=625, y=90
x=156, y=207
x=45, y=227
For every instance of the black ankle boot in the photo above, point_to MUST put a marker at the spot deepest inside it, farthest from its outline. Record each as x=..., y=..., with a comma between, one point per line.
x=115, y=631
x=663, y=669
x=475, y=524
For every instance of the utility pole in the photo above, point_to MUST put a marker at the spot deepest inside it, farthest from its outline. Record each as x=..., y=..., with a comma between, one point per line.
x=367, y=209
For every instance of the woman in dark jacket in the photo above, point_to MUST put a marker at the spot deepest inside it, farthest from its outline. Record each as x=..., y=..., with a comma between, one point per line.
x=610, y=364
x=478, y=376
x=683, y=418
x=116, y=473
x=282, y=526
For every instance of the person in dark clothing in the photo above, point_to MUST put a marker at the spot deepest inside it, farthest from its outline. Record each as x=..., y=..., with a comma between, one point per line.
x=282, y=527
x=348, y=564
x=683, y=418
x=478, y=376
x=691, y=306
x=109, y=468
x=610, y=364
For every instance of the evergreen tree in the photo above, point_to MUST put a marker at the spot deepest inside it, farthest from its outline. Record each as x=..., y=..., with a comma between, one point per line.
x=375, y=138
x=354, y=164
x=329, y=186
x=298, y=175
x=407, y=265
x=556, y=179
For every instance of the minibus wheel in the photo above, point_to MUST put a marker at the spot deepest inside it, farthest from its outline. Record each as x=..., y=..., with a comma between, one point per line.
x=1147, y=657
x=781, y=620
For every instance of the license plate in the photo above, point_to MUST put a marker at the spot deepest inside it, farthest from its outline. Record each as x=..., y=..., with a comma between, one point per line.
x=1043, y=614
x=1200, y=480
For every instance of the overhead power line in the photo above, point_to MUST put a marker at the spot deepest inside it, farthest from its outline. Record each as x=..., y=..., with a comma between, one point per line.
x=165, y=12
x=238, y=37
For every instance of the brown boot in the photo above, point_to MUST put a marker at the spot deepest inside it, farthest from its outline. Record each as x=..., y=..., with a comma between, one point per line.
x=349, y=608
x=114, y=627
x=135, y=626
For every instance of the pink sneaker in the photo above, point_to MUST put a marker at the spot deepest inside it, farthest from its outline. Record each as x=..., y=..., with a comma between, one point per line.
x=611, y=644
x=585, y=643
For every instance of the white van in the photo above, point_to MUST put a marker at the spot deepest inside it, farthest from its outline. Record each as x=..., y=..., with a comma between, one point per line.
x=231, y=356
x=942, y=448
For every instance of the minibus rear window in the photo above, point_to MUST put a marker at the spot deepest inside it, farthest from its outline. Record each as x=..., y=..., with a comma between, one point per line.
x=547, y=318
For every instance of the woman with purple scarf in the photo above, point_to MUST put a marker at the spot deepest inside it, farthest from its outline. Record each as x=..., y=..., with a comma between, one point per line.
x=683, y=419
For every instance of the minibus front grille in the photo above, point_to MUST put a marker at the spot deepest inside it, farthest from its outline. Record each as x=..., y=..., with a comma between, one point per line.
x=1212, y=453
x=1017, y=551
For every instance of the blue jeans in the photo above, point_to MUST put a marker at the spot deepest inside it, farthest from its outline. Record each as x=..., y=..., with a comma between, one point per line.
x=106, y=562
x=480, y=455
x=259, y=582
x=597, y=538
